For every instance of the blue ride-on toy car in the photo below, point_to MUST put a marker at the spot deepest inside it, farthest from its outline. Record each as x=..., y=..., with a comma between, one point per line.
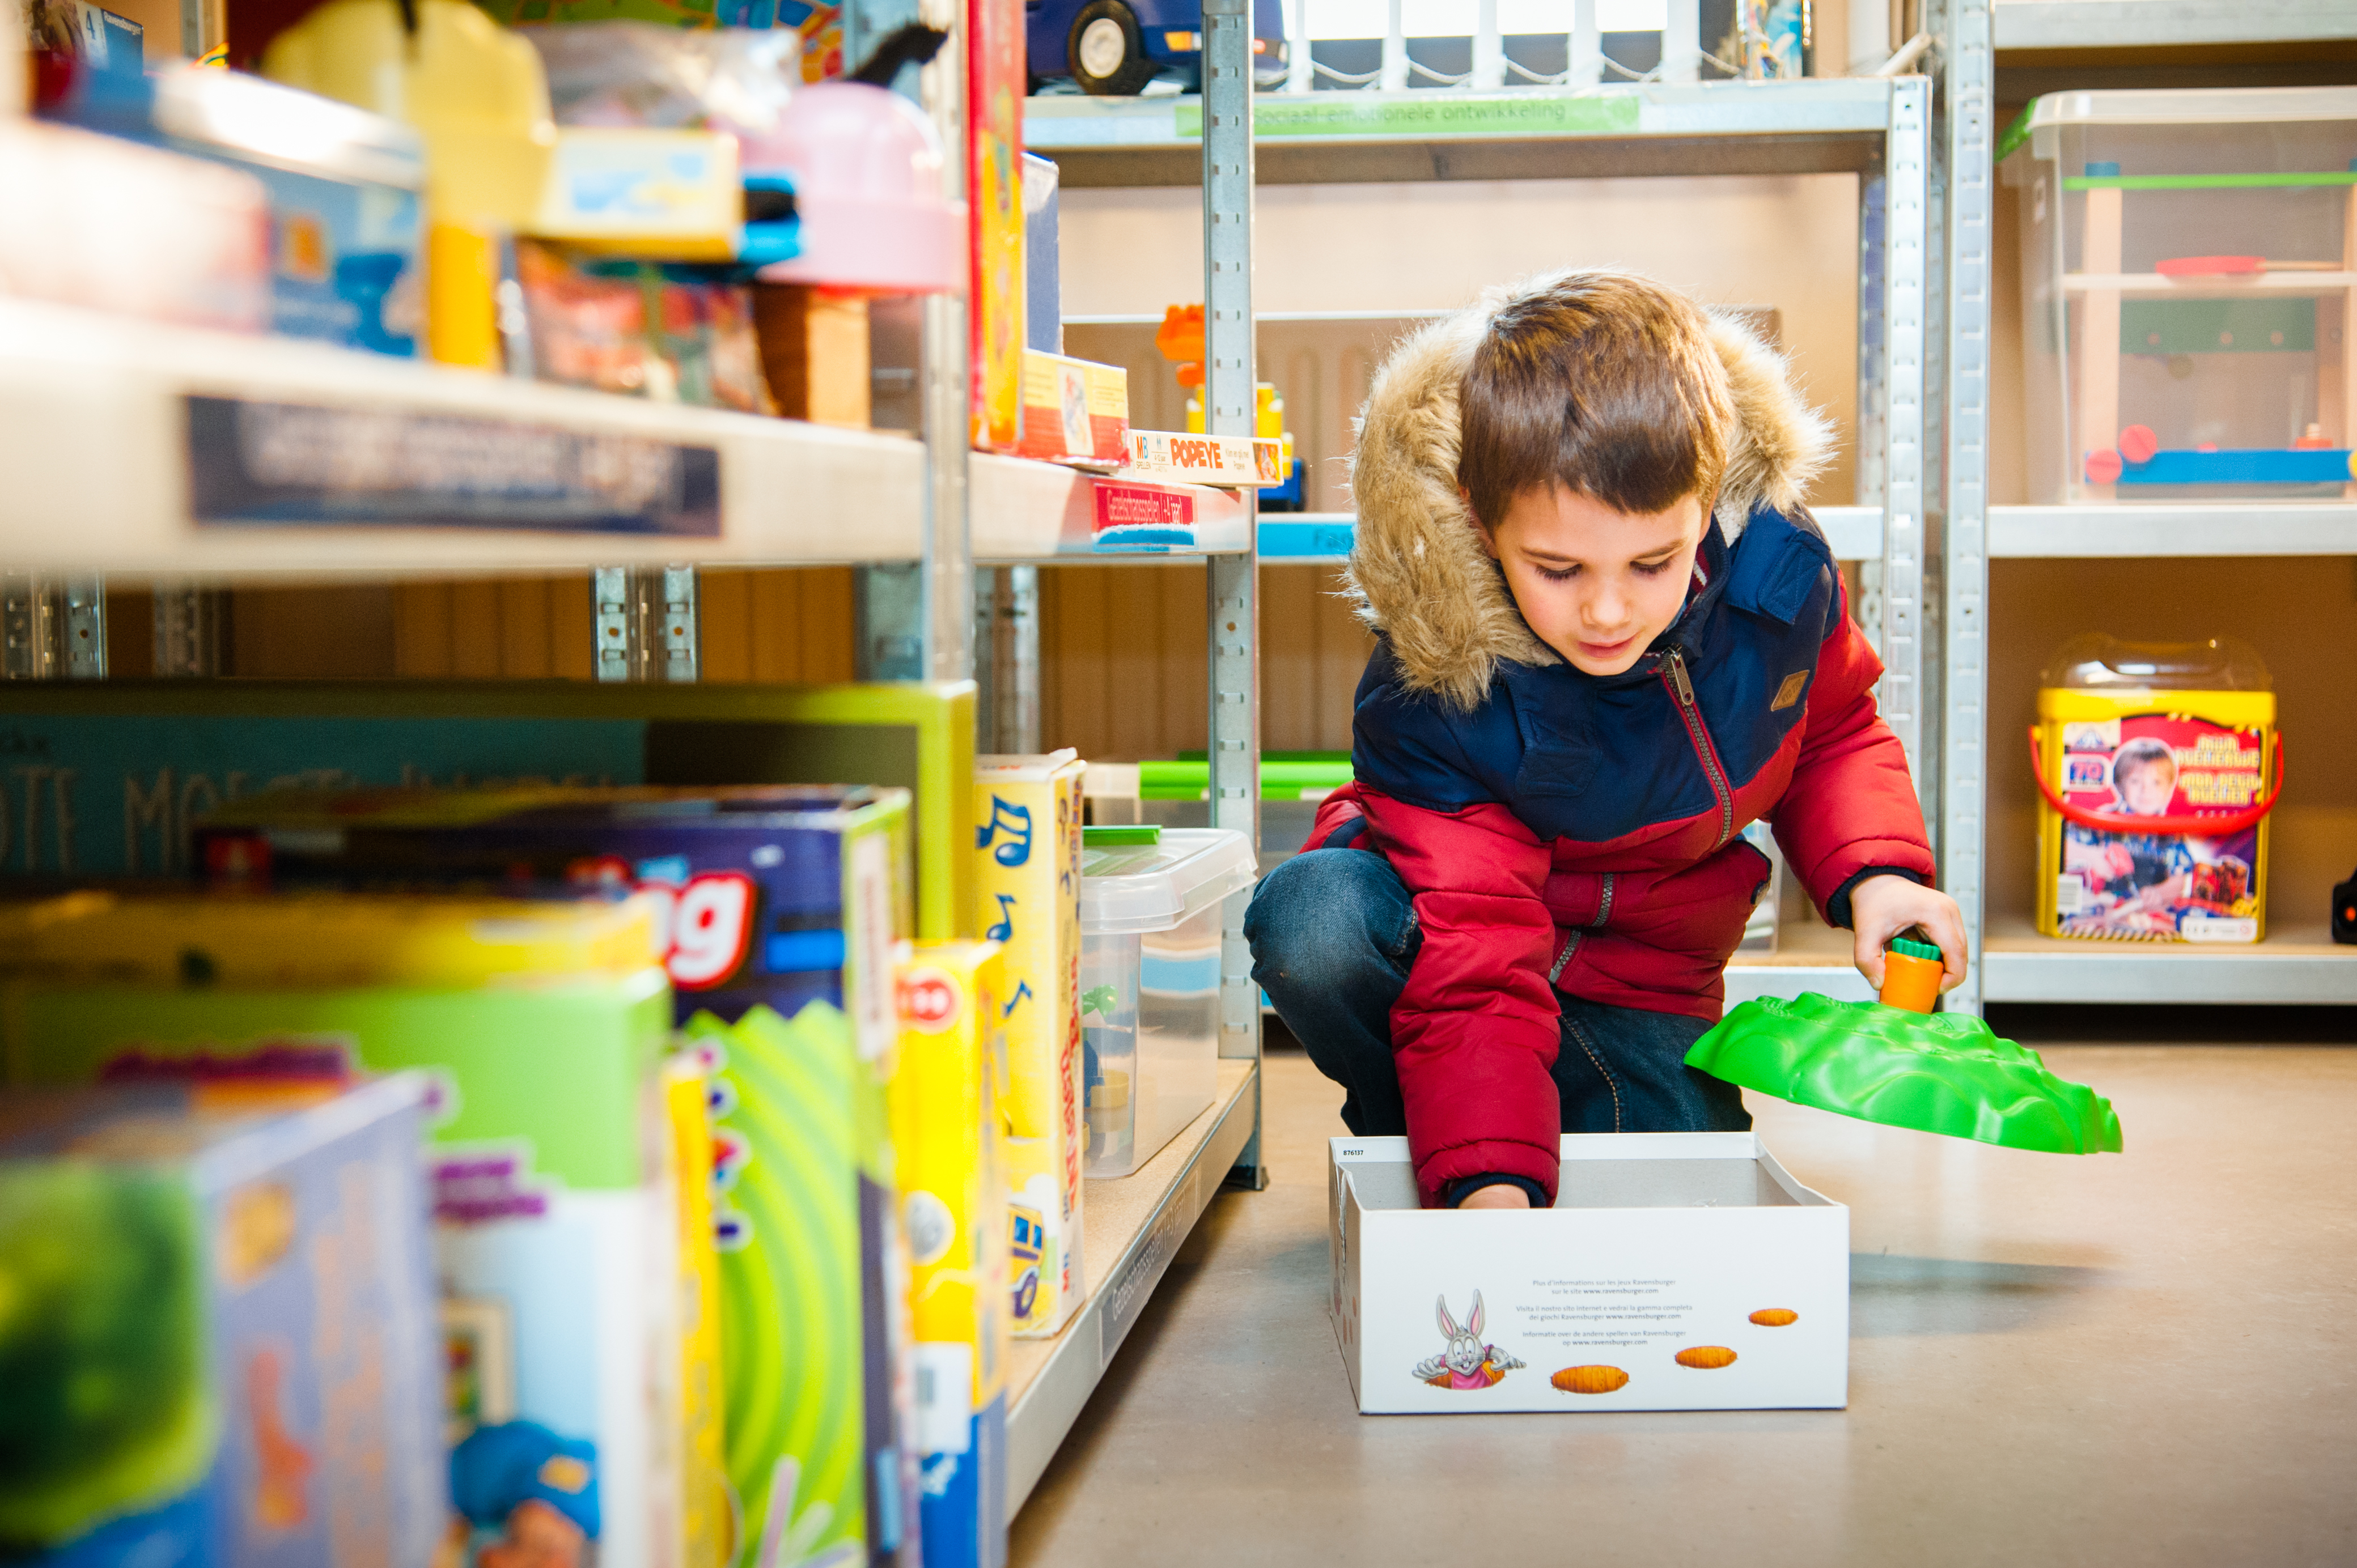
x=1116, y=46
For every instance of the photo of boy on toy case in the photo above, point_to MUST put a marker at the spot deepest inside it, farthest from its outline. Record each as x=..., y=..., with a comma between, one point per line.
x=2157, y=885
x=1609, y=637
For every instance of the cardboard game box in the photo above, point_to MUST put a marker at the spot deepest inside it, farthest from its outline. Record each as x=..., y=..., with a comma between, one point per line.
x=1678, y=1271
x=222, y=1319
x=773, y=899
x=1028, y=851
x=113, y=773
x=1074, y=410
x=543, y=1030
x=947, y=1134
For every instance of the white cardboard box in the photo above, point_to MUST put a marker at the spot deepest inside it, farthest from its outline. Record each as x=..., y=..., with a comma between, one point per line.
x=1659, y=1243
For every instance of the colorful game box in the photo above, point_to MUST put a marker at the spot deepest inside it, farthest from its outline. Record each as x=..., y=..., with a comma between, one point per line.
x=1074, y=409
x=1028, y=848
x=220, y=1345
x=777, y=898
x=996, y=87
x=810, y=1307
x=2157, y=764
x=124, y=767
x=946, y=1132
x=780, y=895
x=550, y=1165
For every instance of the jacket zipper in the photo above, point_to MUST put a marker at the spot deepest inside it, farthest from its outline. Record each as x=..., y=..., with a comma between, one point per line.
x=1673, y=675
x=1571, y=943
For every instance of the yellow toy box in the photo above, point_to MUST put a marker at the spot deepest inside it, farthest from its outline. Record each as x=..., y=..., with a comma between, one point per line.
x=1028, y=845
x=2157, y=764
x=947, y=1134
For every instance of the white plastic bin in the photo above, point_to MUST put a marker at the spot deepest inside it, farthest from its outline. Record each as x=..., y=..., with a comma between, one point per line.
x=1150, y=986
x=2189, y=293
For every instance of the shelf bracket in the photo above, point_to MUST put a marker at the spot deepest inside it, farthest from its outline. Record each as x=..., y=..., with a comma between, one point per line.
x=645, y=622
x=52, y=629
x=191, y=630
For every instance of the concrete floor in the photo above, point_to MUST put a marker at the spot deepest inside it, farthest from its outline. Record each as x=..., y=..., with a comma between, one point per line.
x=2136, y=1359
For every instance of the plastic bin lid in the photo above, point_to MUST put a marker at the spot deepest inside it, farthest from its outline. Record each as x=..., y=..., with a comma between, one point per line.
x=1152, y=887
x=2190, y=106
x=1936, y=1072
x=2097, y=662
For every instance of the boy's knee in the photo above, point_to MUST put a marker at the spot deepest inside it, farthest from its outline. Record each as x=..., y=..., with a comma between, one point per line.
x=1323, y=915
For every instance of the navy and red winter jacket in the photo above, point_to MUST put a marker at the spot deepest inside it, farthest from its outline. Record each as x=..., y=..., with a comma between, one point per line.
x=1563, y=830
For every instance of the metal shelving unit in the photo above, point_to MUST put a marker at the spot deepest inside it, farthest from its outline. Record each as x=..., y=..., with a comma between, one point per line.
x=2296, y=963
x=1134, y=1224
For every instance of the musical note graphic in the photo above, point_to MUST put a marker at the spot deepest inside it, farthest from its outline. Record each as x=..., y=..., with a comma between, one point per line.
x=1004, y=929
x=1014, y=821
x=1022, y=994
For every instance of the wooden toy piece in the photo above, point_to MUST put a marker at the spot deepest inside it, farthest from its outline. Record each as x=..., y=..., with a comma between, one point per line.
x=2096, y=425
x=1911, y=975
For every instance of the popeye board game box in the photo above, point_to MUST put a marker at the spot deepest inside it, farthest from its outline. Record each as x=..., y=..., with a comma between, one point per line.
x=1676, y=1271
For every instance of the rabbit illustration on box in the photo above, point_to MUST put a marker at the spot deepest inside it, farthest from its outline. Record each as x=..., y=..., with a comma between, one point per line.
x=1468, y=1363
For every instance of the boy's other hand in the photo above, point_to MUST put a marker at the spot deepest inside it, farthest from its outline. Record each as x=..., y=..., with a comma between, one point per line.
x=1499, y=1195
x=1882, y=907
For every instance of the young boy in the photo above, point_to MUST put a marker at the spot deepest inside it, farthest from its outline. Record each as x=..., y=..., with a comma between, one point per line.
x=1608, y=635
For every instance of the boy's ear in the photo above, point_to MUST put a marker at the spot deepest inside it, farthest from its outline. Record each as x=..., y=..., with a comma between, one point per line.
x=1481, y=529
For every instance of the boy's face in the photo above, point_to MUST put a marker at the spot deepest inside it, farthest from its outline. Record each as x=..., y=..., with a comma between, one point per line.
x=1597, y=584
x=2146, y=789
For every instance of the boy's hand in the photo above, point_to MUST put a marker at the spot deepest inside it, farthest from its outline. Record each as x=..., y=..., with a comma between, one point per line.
x=1498, y=1195
x=1882, y=907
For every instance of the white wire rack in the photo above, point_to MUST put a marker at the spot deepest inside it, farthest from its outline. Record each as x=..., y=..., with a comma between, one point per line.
x=1486, y=26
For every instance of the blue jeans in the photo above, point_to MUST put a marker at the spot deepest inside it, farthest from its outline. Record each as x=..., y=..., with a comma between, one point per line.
x=1333, y=933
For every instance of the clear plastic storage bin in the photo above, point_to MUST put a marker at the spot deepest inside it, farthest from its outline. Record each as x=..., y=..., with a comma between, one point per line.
x=1150, y=986
x=2189, y=293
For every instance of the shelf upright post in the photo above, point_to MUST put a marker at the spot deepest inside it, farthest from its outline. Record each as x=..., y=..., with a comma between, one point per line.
x=1964, y=147
x=1231, y=395
x=1903, y=209
x=946, y=587
x=191, y=630
x=644, y=618
x=915, y=619
x=52, y=629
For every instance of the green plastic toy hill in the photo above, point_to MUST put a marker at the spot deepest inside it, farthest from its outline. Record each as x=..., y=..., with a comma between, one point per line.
x=1938, y=1072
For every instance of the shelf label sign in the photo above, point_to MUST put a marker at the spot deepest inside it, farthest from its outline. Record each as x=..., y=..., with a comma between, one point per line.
x=1143, y=517
x=263, y=465
x=1431, y=114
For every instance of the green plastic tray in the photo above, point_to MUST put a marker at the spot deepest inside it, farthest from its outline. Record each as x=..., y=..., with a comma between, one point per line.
x=1938, y=1072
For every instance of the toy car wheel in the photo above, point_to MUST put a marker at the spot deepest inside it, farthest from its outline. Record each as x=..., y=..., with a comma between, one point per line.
x=1106, y=50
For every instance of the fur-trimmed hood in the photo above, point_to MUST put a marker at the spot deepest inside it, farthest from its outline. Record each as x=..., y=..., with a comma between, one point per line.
x=1418, y=573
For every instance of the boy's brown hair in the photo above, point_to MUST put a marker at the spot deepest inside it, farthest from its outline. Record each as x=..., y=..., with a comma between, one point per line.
x=1602, y=382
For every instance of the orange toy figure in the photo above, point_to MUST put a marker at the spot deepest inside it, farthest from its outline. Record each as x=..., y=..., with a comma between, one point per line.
x=284, y=1465
x=537, y=1537
x=1180, y=340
